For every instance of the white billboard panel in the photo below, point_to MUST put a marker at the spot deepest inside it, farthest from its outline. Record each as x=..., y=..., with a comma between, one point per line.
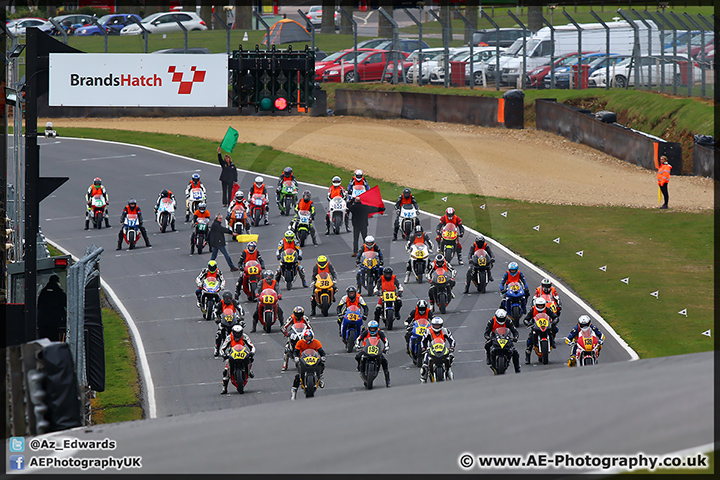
x=138, y=80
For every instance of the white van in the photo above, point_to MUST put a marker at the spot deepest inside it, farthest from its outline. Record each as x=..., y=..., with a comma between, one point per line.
x=539, y=46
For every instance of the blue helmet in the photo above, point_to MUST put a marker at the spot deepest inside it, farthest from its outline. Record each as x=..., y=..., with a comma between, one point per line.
x=195, y=177
x=373, y=327
x=513, y=267
x=288, y=171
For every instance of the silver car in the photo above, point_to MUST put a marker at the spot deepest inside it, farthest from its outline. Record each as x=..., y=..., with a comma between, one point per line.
x=164, y=22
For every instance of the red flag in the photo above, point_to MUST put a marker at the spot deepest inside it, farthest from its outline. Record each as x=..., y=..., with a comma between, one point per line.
x=373, y=200
x=235, y=188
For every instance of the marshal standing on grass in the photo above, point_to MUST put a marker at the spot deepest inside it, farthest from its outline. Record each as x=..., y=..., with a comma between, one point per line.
x=663, y=178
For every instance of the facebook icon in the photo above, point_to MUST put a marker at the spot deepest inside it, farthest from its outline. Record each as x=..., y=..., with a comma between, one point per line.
x=17, y=462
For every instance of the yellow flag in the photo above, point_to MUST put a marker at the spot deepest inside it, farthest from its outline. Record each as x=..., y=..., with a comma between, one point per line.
x=247, y=237
x=659, y=195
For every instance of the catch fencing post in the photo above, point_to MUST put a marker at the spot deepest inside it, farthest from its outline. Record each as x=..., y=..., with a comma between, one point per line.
x=674, y=30
x=144, y=32
x=311, y=27
x=60, y=29
x=579, y=29
x=607, y=49
x=102, y=30
x=420, y=56
x=690, y=61
x=446, y=63
x=497, y=48
x=636, y=48
x=472, y=57
x=185, y=32
x=267, y=29
x=552, y=49
x=227, y=30
x=649, y=27
x=393, y=48
x=524, y=69
x=662, y=50
x=354, y=25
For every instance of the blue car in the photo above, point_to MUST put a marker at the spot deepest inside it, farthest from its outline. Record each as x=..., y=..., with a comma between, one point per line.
x=112, y=23
x=594, y=60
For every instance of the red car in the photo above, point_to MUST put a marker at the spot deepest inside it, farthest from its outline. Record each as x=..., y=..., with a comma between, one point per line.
x=370, y=67
x=343, y=56
x=536, y=76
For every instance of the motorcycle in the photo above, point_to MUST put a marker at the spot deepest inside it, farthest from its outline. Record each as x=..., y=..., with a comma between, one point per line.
x=418, y=260
x=448, y=241
x=419, y=327
x=587, y=348
x=289, y=266
x=165, y=214
x=352, y=322
x=288, y=197
x=238, y=221
x=239, y=366
x=439, y=361
x=338, y=213
x=369, y=272
x=440, y=283
x=200, y=233
x=388, y=307
x=209, y=296
x=356, y=190
x=268, y=308
x=512, y=301
x=303, y=224
x=197, y=196
x=370, y=360
x=501, y=350
x=480, y=263
x=324, y=293
x=131, y=230
x=97, y=206
x=408, y=220
x=258, y=203
x=541, y=328
x=293, y=333
x=228, y=319
x=309, y=368
x=550, y=303
x=250, y=279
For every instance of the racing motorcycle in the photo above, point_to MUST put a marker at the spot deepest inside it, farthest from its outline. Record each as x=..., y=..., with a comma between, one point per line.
x=288, y=197
x=309, y=368
x=448, y=241
x=293, y=333
x=541, y=327
x=324, y=293
x=97, y=209
x=408, y=220
x=250, y=279
x=131, y=230
x=370, y=360
x=480, y=263
x=369, y=272
x=303, y=223
x=209, y=296
x=418, y=260
x=239, y=366
x=199, y=236
x=512, y=301
x=238, y=221
x=351, y=326
x=501, y=350
x=258, y=203
x=388, y=307
x=338, y=213
x=228, y=319
x=440, y=284
x=419, y=327
x=197, y=196
x=289, y=266
x=586, y=348
x=356, y=190
x=439, y=361
x=267, y=308
x=165, y=214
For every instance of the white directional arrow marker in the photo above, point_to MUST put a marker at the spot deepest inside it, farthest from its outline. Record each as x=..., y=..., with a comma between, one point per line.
x=482, y=206
x=444, y=199
x=683, y=312
x=655, y=294
x=536, y=228
x=557, y=240
x=604, y=268
x=504, y=214
x=580, y=253
x=625, y=280
x=706, y=333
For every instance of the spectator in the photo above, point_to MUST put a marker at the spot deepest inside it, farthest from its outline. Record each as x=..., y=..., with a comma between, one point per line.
x=216, y=241
x=52, y=311
x=228, y=177
x=663, y=177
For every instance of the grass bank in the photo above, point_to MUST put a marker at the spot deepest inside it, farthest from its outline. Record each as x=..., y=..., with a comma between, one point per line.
x=632, y=243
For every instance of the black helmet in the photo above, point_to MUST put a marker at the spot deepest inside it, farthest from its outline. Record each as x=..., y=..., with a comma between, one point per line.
x=422, y=306
x=387, y=273
x=407, y=193
x=299, y=312
x=306, y=195
x=419, y=231
x=237, y=332
x=351, y=291
x=132, y=202
x=227, y=297
x=165, y=193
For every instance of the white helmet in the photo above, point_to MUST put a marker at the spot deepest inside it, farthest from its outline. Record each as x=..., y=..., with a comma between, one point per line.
x=336, y=181
x=540, y=303
x=584, y=321
x=358, y=174
x=369, y=239
x=259, y=180
x=437, y=324
x=500, y=315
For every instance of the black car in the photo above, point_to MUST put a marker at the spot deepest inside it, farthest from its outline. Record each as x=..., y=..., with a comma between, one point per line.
x=489, y=36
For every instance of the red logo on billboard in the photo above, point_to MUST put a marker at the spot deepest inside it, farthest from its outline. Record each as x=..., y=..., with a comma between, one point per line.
x=186, y=86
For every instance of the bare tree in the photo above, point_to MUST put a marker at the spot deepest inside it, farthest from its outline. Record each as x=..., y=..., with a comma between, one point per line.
x=471, y=14
x=345, y=25
x=243, y=16
x=328, y=17
x=385, y=28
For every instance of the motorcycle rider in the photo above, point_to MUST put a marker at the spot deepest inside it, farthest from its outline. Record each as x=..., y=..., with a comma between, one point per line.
x=405, y=198
x=436, y=264
x=97, y=188
x=201, y=212
x=193, y=183
x=308, y=340
x=368, y=245
x=539, y=306
x=286, y=175
x=305, y=203
x=478, y=244
x=352, y=297
x=418, y=237
x=290, y=242
x=226, y=300
x=239, y=198
x=358, y=180
x=322, y=265
x=167, y=194
x=251, y=253
x=373, y=330
x=513, y=274
x=237, y=337
x=298, y=316
x=548, y=292
x=497, y=321
x=268, y=281
x=421, y=310
x=211, y=271
x=336, y=190
x=436, y=330
x=388, y=282
x=131, y=208
x=451, y=217
x=258, y=187
x=583, y=322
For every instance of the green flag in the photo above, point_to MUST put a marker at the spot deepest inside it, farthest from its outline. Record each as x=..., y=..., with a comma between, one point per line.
x=230, y=140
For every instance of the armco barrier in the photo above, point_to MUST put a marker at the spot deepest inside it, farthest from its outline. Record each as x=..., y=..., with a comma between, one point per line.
x=469, y=110
x=704, y=160
x=621, y=142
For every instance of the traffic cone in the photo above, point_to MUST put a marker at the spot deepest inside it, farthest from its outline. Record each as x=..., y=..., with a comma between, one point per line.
x=245, y=37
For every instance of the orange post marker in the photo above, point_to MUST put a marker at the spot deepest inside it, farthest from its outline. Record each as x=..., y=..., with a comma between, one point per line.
x=501, y=110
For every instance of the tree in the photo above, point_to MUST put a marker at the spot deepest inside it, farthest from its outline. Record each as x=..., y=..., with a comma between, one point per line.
x=385, y=28
x=345, y=24
x=328, y=17
x=471, y=14
x=243, y=16
x=534, y=21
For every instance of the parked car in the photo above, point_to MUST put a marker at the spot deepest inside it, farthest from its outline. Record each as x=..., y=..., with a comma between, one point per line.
x=437, y=73
x=69, y=23
x=111, y=23
x=489, y=37
x=201, y=50
x=696, y=45
x=411, y=60
x=343, y=56
x=622, y=75
x=164, y=22
x=482, y=57
x=563, y=72
x=681, y=38
x=314, y=14
x=20, y=25
x=370, y=68
x=535, y=78
x=434, y=55
x=404, y=44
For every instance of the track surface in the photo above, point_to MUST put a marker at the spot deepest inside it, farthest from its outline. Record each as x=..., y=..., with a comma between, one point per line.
x=156, y=285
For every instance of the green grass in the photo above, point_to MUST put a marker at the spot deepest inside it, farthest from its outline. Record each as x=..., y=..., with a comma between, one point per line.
x=659, y=250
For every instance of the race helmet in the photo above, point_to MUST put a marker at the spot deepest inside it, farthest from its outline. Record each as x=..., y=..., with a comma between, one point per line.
x=407, y=193
x=237, y=332
x=164, y=193
x=251, y=246
x=97, y=182
x=202, y=207
x=287, y=172
x=450, y=212
x=584, y=321
x=546, y=285
x=132, y=203
x=308, y=335
x=351, y=292
x=436, y=324
x=259, y=181
x=422, y=306
x=373, y=327
x=268, y=275
x=227, y=297
x=540, y=304
x=212, y=266
x=289, y=235
x=440, y=260
x=298, y=313
x=387, y=273
x=500, y=316
x=513, y=267
x=195, y=177
x=479, y=241
x=322, y=261
x=370, y=241
x=336, y=181
x=419, y=231
x=359, y=174
x=239, y=196
x=306, y=195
